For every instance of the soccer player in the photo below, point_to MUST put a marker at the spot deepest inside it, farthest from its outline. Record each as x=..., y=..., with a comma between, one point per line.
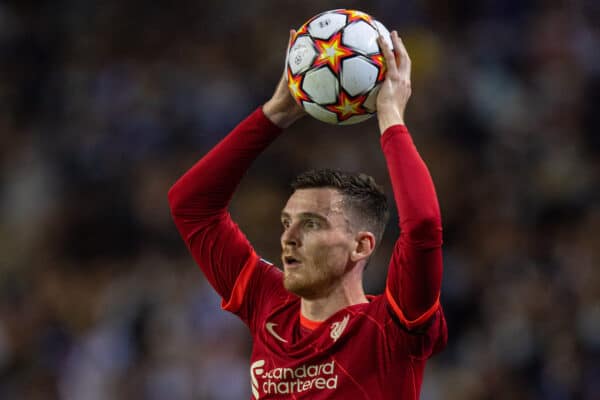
x=316, y=335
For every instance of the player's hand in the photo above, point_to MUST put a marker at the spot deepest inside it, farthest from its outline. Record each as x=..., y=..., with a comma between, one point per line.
x=282, y=109
x=395, y=90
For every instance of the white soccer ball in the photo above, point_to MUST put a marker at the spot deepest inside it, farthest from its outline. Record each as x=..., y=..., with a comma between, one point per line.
x=334, y=66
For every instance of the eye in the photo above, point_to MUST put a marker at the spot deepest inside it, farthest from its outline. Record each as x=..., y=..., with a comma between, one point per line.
x=285, y=223
x=312, y=224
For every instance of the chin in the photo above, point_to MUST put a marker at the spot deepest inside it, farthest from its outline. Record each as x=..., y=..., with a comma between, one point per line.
x=297, y=287
x=292, y=285
x=302, y=289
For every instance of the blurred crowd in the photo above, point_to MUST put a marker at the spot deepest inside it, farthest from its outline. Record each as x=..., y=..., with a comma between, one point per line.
x=104, y=104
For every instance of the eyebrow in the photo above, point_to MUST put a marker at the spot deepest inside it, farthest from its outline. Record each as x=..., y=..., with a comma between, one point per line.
x=305, y=215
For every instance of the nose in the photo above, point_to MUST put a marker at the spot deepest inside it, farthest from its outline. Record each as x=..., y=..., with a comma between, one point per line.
x=290, y=237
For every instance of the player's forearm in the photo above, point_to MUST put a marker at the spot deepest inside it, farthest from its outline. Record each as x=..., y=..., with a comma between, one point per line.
x=387, y=118
x=206, y=189
x=414, y=191
x=282, y=113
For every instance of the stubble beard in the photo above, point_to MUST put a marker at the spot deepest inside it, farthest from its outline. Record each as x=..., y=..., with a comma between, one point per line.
x=310, y=286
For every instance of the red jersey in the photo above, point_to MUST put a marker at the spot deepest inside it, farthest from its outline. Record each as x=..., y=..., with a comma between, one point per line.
x=376, y=350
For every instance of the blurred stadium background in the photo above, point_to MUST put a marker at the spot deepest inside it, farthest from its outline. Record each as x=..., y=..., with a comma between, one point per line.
x=104, y=104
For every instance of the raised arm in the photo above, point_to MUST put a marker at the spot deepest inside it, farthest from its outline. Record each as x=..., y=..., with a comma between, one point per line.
x=415, y=273
x=199, y=199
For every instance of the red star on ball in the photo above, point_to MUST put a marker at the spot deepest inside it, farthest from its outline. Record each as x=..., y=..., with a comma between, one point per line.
x=354, y=15
x=348, y=106
x=379, y=61
x=303, y=30
x=331, y=52
x=295, y=85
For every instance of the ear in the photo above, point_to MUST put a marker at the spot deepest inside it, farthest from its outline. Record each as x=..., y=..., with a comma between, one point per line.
x=364, y=246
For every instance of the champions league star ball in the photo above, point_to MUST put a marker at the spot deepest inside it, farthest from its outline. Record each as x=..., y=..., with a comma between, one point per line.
x=334, y=66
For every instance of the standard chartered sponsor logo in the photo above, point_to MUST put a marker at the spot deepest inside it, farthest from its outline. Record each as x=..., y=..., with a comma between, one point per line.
x=256, y=368
x=292, y=380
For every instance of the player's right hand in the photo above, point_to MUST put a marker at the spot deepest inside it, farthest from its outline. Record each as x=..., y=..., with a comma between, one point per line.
x=282, y=109
x=396, y=89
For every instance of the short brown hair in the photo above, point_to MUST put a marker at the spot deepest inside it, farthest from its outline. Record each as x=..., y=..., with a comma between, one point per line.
x=363, y=198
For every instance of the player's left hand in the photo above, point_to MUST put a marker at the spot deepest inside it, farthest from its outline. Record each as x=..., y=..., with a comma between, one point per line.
x=282, y=109
x=395, y=89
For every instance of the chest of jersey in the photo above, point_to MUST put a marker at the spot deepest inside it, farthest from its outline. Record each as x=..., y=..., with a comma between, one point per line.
x=345, y=357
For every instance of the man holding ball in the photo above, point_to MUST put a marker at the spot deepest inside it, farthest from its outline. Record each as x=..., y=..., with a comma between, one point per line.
x=316, y=334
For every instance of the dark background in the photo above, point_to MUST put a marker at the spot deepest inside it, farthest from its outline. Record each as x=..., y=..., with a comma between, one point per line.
x=104, y=104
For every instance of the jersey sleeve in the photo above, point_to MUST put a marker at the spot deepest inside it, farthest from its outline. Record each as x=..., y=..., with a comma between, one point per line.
x=199, y=201
x=415, y=271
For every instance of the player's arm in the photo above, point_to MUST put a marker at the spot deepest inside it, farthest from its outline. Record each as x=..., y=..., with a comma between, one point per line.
x=199, y=199
x=415, y=273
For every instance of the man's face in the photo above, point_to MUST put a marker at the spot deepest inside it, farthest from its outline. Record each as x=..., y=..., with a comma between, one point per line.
x=316, y=242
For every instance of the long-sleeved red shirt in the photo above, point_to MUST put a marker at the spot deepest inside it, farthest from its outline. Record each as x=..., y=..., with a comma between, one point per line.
x=375, y=350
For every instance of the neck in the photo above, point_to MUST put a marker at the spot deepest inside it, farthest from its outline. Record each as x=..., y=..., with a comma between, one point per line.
x=347, y=293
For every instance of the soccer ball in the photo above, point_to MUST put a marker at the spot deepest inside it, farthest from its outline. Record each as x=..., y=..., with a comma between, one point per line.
x=334, y=66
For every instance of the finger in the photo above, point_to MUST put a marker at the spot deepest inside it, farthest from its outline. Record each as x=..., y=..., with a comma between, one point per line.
x=390, y=60
x=287, y=52
x=402, y=58
x=291, y=39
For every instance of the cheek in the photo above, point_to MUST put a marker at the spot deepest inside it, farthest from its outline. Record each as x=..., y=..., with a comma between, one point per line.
x=331, y=258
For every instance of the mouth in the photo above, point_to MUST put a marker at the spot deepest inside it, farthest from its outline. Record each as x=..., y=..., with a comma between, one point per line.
x=291, y=262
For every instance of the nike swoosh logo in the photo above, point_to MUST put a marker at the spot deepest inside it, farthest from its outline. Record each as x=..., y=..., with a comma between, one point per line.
x=269, y=326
